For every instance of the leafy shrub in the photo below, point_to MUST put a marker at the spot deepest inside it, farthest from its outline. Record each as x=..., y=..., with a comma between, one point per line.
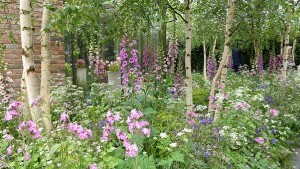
x=68, y=70
x=200, y=96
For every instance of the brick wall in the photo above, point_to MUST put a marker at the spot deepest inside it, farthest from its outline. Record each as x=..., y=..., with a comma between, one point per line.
x=12, y=53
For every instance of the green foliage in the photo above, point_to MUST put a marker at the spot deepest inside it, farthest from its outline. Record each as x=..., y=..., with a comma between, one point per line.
x=68, y=70
x=115, y=66
x=200, y=97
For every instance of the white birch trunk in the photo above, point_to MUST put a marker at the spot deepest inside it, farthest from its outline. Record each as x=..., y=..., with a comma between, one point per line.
x=213, y=57
x=188, y=68
x=281, y=46
x=286, y=49
x=26, y=110
x=205, y=64
x=45, y=67
x=223, y=64
x=293, y=50
x=27, y=37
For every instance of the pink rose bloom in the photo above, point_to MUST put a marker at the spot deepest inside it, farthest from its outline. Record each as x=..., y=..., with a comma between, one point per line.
x=259, y=140
x=274, y=112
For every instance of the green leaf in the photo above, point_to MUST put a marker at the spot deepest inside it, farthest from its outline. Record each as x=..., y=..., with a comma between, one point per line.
x=54, y=148
x=246, y=152
x=167, y=162
x=146, y=162
x=177, y=156
x=137, y=138
x=149, y=111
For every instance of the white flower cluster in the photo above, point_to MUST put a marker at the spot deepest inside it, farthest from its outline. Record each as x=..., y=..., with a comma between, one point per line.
x=234, y=136
x=292, y=117
x=200, y=108
x=257, y=97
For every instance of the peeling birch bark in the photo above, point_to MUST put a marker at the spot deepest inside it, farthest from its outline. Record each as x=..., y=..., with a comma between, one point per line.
x=188, y=68
x=27, y=37
x=45, y=67
x=224, y=61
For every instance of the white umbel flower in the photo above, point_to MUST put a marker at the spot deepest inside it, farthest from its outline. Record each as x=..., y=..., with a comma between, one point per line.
x=163, y=135
x=173, y=145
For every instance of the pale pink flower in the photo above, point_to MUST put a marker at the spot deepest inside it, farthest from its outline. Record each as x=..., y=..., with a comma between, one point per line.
x=9, y=150
x=117, y=117
x=274, y=112
x=259, y=140
x=64, y=117
x=8, y=137
x=36, y=101
x=241, y=105
x=146, y=132
x=93, y=166
x=27, y=156
x=135, y=114
x=132, y=150
x=20, y=150
x=121, y=135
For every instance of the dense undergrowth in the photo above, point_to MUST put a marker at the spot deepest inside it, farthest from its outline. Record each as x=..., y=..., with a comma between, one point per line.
x=150, y=128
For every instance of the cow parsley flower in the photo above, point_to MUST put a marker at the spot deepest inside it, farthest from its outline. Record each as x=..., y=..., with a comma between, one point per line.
x=173, y=145
x=163, y=135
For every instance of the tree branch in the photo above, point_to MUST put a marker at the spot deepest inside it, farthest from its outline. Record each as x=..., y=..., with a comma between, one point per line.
x=174, y=10
x=235, y=28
